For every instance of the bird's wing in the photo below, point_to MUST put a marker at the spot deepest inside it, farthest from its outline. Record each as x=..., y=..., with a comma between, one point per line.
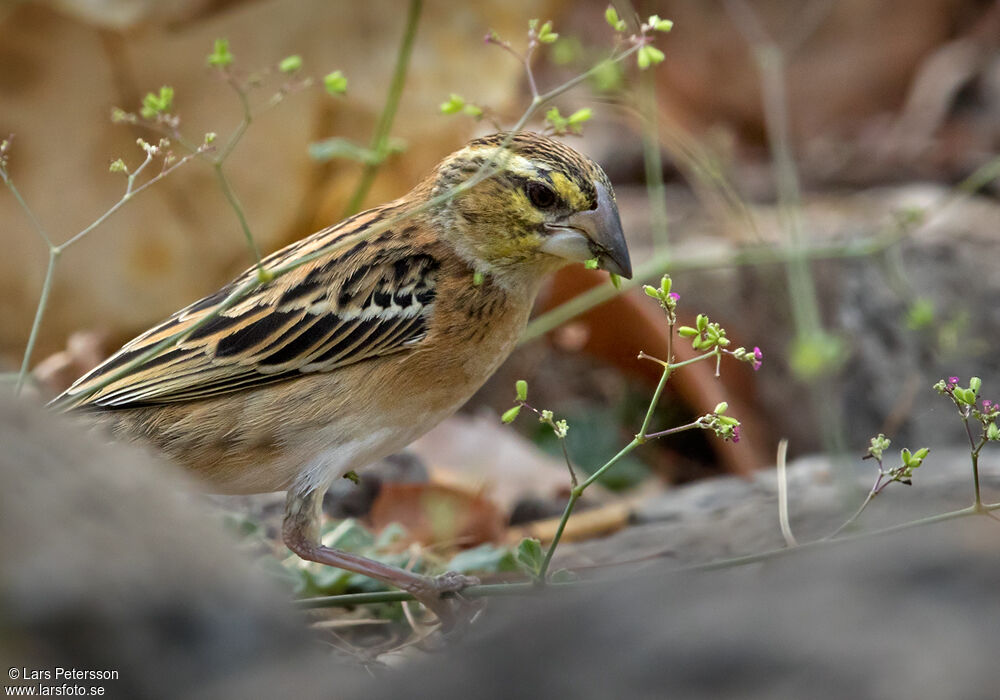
x=373, y=299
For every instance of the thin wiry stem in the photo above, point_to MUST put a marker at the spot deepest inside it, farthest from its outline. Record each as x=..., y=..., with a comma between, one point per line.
x=656, y=192
x=43, y=302
x=663, y=262
x=56, y=250
x=383, y=129
x=234, y=203
x=35, y=223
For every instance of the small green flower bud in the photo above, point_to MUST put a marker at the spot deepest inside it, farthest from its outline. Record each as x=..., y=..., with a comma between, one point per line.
x=660, y=25
x=521, y=387
x=290, y=64
x=611, y=17
x=335, y=83
x=616, y=281
x=546, y=35
x=118, y=167
x=580, y=116
x=649, y=56
x=477, y=278
x=720, y=408
x=975, y=384
x=687, y=332
x=992, y=432
x=510, y=415
x=220, y=56
x=591, y=264
x=454, y=104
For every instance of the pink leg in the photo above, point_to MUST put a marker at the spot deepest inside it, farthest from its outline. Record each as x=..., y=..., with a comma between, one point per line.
x=301, y=534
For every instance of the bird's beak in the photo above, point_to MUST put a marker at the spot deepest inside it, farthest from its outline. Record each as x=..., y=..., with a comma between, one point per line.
x=595, y=233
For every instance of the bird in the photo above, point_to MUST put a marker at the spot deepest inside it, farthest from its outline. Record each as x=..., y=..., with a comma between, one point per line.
x=385, y=324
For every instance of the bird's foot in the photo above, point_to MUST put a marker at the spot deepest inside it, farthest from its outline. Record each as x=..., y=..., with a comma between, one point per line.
x=455, y=612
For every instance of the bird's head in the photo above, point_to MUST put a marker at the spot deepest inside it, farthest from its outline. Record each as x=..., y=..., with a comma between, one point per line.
x=545, y=206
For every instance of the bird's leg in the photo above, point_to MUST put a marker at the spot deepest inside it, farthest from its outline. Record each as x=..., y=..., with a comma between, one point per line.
x=301, y=529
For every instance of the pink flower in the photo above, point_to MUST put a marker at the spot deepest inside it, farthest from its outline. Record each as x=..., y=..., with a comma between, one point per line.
x=674, y=295
x=952, y=381
x=758, y=358
x=736, y=433
x=987, y=404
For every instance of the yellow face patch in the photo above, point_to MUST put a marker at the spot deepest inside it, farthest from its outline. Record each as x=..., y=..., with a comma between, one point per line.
x=569, y=192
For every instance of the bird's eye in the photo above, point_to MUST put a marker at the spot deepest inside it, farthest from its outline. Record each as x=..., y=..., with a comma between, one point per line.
x=540, y=195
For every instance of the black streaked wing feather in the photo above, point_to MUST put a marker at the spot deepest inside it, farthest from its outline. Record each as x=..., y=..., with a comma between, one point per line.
x=335, y=312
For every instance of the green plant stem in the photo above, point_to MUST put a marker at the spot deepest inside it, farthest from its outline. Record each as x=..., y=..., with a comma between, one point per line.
x=55, y=251
x=857, y=514
x=574, y=496
x=234, y=202
x=663, y=262
x=380, y=139
x=531, y=588
x=654, y=402
x=817, y=544
x=975, y=450
x=36, y=325
x=490, y=590
x=35, y=223
x=656, y=192
x=673, y=431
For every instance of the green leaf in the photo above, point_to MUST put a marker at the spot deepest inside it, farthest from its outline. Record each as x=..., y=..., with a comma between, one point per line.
x=343, y=148
x=975, y=384
x=349, y=535
x=290, y=64
x=521, y=387
x=473, y=111
x=920, y=314
x=530, y=555
x=454, y=104
x=390, y=534
x=592, y=264
x=563, y=576
x=486, y=558
x=335, y=83
x=154, y=104
x=353, y=477
x=510, y=415
x=616, y=280
x=220, y=56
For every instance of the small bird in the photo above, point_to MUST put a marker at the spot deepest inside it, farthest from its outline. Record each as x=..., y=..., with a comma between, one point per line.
x=356, y=353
